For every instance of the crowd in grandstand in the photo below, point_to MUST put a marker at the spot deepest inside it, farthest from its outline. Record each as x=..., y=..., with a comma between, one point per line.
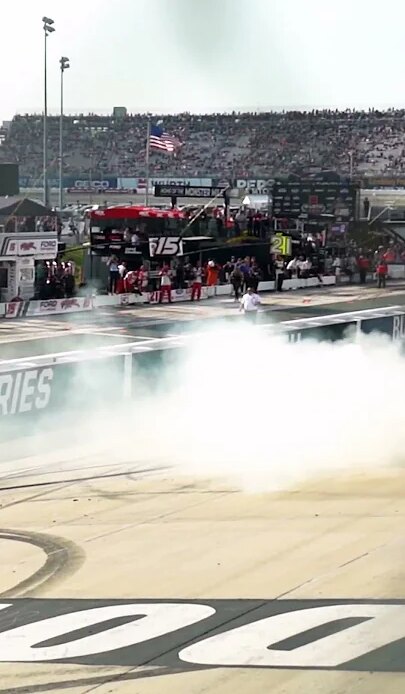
x=234, y=145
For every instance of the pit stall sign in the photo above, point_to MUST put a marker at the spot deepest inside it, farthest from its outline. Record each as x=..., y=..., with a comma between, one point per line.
x=18, y=254
x=281, y=244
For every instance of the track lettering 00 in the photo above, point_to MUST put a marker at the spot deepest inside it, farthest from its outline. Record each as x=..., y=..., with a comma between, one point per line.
x=214, y=633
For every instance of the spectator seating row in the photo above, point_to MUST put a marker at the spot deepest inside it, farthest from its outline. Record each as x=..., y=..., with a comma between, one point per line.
x=237, y=145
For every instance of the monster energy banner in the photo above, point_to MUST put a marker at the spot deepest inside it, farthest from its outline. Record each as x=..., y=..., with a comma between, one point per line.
x=175, y=191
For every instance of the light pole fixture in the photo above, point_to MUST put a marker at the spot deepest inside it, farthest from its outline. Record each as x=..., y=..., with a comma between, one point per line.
x=350, y=155
x=48, y=29
x=64, y=65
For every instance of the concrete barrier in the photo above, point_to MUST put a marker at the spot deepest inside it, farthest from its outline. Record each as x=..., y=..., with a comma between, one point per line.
x=34, y=385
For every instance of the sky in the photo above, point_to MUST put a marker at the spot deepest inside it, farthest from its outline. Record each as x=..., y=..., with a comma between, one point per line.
x=202, y=56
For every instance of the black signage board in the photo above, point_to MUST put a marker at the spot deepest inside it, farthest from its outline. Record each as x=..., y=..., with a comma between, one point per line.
x=170, y=191
x=9, y=181
x=313, y=199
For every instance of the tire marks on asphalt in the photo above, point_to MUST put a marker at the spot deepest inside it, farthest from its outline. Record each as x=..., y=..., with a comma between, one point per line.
x=63, y=559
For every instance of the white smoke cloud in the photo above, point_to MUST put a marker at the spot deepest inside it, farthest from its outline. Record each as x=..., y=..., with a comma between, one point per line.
x=265, y=414
x=252, y=410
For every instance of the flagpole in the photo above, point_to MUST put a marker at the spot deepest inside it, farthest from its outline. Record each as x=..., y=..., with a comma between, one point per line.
x=147, y=162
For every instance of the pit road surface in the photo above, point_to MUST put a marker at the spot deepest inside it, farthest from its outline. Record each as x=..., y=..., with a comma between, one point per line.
x=51, y=334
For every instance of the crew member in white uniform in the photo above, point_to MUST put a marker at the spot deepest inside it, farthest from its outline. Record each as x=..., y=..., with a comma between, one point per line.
x=197, y=283
x=165, y=284
x=249, y=304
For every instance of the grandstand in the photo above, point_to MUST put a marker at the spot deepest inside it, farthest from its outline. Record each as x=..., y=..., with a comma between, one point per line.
x=233, y=145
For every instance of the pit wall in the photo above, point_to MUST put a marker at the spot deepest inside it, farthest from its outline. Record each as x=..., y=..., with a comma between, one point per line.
x=51, y=386
x=19, y=309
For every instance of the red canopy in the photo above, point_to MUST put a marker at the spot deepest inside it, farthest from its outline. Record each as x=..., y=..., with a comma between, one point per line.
x=135, y=212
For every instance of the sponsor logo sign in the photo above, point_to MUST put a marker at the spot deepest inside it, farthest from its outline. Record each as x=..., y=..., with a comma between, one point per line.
x=36, y=308
x=179, y=191
x=48, y=306
x=258, y=186
x=48, y=246
x=87, y=184
x=12, y=247
x=75, y=304
x=178, y=635
x=165, y=246
x=140, y=183
x=14, y=309
x=393, y=326
x=70, y=303
x=37, y=247
x=91, y=185
x=207, y=182
x=398, y=328
x=25, y=391
x=28, y=247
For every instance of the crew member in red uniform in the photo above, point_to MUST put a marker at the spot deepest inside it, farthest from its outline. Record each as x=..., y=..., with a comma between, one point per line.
x=130, y=281
x=122, y=270
x=143, y=279
x=363, y=264
x=382, y=272
x=165, y=284
x=197, y=283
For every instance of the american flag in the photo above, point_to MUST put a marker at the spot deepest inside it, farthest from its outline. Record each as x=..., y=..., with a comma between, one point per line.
x=159, y=139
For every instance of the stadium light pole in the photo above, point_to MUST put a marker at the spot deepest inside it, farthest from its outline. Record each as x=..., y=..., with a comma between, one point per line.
x=48, y=29
x=64, y=65
x=351, y=164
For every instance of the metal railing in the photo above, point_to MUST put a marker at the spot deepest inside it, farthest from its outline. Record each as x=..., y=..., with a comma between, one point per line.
x=164, y=343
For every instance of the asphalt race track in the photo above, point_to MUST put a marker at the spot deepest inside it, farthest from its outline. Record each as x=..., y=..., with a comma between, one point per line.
x=119, y=575
x=289, y=592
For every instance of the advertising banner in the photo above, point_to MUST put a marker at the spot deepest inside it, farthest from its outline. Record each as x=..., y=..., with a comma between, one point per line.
x=256, y=186
x=177, y=295
x=392, y=326
x=56, y=385
x=13, y=309
x=85, y=183
x=312, y=198
x=29, y=394
x=383, y=182
x=180, y=191
x=168, y=181
x=23, y=245
x=48, y=306
x=327, y=333
x=129, y=183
